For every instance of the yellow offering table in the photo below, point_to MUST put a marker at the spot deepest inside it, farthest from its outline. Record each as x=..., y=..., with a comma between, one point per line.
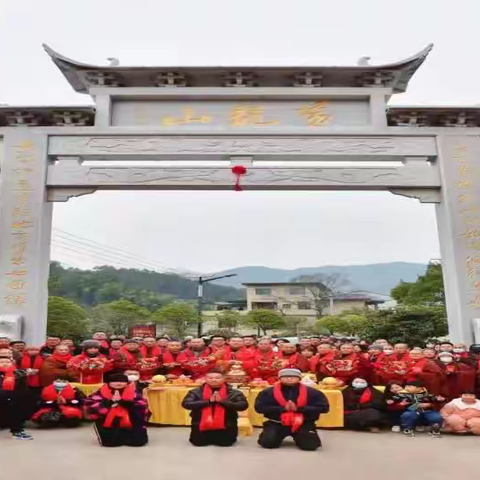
x=87, y=389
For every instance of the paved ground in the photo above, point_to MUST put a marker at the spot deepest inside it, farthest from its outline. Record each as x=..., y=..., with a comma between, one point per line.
x=75, y=454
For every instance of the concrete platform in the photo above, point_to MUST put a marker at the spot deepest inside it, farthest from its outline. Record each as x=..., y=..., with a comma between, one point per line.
x=75, y=455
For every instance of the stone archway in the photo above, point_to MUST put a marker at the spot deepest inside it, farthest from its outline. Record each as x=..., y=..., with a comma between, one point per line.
x=291, y=119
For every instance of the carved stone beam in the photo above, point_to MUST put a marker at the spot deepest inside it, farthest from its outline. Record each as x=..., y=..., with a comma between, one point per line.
x=19, y=117
x=65, y=194
x=171, y=79
x=375, y=79
x=101, y=79
x=308, y=79
x=239, y=79
x=424, y=195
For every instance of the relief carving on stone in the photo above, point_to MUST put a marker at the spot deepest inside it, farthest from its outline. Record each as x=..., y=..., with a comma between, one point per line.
x=181, y=145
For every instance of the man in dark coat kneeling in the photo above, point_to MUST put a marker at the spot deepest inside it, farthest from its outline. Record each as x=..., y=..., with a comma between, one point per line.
x=214, y=408
x=291, y=409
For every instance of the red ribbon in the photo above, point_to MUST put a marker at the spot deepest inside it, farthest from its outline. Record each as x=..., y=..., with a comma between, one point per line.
x=238, y=171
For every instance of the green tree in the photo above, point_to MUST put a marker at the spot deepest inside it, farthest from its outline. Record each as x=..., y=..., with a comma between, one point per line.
x=412, y=324
x=427, y=290
x=177, y=317
x=116, y=317
x=263, y=320
x=66, y=319
x=229, y=319
x=294, y=325
x=347, y=323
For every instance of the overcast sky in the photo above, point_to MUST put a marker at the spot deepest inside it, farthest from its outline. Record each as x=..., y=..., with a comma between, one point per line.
x=210, y=231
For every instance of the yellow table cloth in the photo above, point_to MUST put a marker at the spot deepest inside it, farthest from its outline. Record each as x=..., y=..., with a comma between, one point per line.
x=87, y=389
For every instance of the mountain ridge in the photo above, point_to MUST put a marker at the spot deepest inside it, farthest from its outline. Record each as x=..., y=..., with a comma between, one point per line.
x=377, y=278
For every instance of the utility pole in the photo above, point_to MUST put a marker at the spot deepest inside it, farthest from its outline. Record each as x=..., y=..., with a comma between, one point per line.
x=201, y=281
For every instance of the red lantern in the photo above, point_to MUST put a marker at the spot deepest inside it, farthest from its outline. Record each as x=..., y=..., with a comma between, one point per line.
x=238, y=171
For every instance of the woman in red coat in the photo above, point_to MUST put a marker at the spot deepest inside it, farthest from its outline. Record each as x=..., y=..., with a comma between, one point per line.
x=426, y=371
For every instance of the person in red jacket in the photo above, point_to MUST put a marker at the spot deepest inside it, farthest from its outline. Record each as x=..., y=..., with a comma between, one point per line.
x=267, y=364
x=170, y=359
x=250, y=343
x=31, y=362
x=425, y=371
x=290, y=358
x=458, y=377
x=149, y=348
x=198, y=359
x=130, y=357
x=90, y=365
x=390, y=366
x=324, y=356
x=347, y=365
x=115, y=345
x=236, y=353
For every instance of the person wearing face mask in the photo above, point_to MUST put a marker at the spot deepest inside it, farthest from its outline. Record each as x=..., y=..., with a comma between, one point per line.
x=461, y=354
x=89, y=366
x=60, y=406
x=389, y=367
x=135, y=378
x=458, y=377
x=462, y=415
x=364, y=408
x=119, y=411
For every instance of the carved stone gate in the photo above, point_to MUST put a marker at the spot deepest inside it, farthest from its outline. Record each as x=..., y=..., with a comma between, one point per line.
x=292, y=128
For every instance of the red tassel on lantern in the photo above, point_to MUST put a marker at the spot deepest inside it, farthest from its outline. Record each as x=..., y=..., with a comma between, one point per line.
x=238, y=170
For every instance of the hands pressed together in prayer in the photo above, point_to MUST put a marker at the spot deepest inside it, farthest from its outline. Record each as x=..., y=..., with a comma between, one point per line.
x=290, y=406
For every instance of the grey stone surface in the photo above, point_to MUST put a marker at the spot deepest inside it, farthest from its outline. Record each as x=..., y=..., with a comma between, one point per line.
x=76, y=455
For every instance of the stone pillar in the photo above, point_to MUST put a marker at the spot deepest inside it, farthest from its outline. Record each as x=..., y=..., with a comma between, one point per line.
x=25, y=229
x=458, y=218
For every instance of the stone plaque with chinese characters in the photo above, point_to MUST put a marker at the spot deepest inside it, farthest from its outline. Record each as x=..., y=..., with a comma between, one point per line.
x=461, y=189
x=231, y=115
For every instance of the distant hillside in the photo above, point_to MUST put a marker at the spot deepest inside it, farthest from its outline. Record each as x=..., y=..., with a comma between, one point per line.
x=143, y=287
x=378, y=278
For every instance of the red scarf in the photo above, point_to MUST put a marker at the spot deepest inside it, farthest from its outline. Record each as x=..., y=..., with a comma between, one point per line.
x=61, y=357
x=118, y=411
x=9, y=378
x=49, y=394
x=26, y=362
x=152, y=352
x=366, y=396
x=213, y=416
x=130, y=357
x=291, y=419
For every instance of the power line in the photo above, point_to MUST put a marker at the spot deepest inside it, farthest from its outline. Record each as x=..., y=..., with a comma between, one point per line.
x=85, y=242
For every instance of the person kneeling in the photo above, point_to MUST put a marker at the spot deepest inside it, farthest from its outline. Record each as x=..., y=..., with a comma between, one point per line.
x=60, y=405
x=214, y=408
x=119, y=412
x=292, y=410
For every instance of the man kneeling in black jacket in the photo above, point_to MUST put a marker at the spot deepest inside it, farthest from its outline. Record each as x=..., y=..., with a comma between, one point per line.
x=214, y=408
x=292, y=410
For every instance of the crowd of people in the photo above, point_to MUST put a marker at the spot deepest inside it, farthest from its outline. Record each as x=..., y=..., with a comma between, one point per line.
x=385, y=386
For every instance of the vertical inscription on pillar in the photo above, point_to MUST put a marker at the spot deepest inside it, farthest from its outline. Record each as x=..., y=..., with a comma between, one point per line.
x=22, y=221
x=463, y=172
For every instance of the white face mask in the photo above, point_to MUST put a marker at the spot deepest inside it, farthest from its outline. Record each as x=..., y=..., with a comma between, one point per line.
x=446, y=360
x=458, y=350
x=388, y=352
x=132, y=378
x=359, y=384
